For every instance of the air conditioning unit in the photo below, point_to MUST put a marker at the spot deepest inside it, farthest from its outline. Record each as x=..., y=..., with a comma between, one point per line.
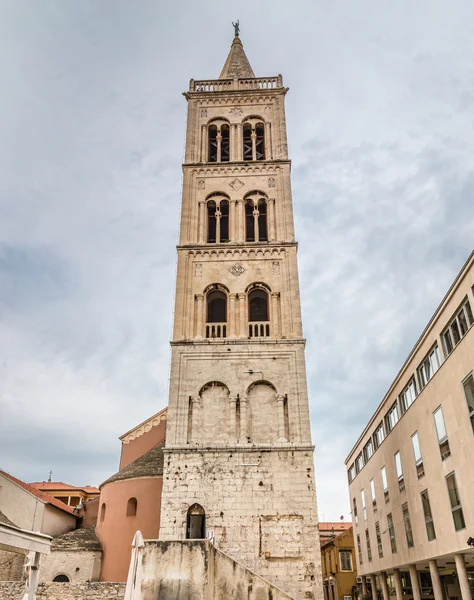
x=359, y=579
x=446, y=454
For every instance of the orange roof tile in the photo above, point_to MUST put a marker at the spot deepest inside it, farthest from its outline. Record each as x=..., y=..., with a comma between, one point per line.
x=60, y=486
x=39, y=494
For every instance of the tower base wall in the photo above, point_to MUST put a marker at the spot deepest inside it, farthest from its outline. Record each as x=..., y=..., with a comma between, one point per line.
x=259, y=507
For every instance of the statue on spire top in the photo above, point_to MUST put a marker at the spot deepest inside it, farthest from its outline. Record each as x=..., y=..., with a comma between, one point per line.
x=236, y=28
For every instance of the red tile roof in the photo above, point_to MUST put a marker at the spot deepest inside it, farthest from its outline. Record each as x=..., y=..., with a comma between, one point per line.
x=337, y=526
x=39, y=494
x=58, y=486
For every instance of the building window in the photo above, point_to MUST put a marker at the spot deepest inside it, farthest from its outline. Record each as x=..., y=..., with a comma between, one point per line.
x=369, y=549
x=372, y=492
x=351, y=473
x=407, y=522
x=102, y=511
x=458, y=327
x=399, y=469
x=391, y=418
x=383, y=472
x=345, y=560
x=196, y=523
x=428, y=367
x=61, y=579
x=354, y=511
x=441, y=433
x=415, y=442
x=218, y=142
x=430, y=528
x=256, y=227
x=368, y=450
x=132, y=507
x=407, y=397
x=379, y=540
x=216, y=313
x=379, y=435
x=217, y=221
x=359, y=462
x=258, y=313
x=391, y=533
x=455, y=501
x=359, y=549
x=469, y=393
x=254, y=141
x=364, y=509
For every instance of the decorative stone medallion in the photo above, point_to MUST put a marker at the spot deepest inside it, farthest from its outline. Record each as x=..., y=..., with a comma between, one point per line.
x=271, y=182
x=236, y=184
x=201, y=184
x=276, y=267
x=236, y=112
x=237, y=269
x=204, y=112
x=198, y=270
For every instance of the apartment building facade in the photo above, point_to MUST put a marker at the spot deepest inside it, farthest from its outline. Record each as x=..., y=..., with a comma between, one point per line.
x=411, y=472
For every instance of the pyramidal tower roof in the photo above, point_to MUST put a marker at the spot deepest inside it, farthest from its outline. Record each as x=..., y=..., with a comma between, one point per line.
x=237, y=64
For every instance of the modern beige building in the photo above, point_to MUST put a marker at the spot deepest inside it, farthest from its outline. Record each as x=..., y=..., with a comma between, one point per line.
x=411, y=473
x=238, y=465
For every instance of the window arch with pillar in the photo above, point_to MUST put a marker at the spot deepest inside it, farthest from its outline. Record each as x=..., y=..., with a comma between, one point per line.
x=256, y=219
x=218, y=141
x=253, y=138
x=218, y=226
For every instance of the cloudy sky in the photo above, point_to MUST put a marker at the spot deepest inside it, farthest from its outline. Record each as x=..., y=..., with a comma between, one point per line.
x=92, y=120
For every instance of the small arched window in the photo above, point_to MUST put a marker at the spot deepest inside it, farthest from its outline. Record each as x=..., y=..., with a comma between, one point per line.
x=258, y=305
x=253, y=133
x=225, y=143
x=196, y=523
x=132, y=507
x=249, y=222
x=61, y=578
x=224, y=223
x=216, y=307
x=212, y=136
x=102, y=511
x=211, y=222
x=217, y=220
x=260, y=141
x=262, y=221
x=247, y=133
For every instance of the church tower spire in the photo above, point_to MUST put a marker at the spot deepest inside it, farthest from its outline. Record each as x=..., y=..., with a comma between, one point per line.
x=237, y=64
x=239, y=456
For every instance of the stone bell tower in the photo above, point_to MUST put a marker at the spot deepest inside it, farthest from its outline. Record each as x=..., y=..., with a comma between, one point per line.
x=239, y=458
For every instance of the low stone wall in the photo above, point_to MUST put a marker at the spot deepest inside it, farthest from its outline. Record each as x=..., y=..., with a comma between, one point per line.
x=11, y=565
x=196, y=570
x=15, y=590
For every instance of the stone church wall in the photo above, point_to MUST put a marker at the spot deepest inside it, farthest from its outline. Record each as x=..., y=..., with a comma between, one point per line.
x=260, y=505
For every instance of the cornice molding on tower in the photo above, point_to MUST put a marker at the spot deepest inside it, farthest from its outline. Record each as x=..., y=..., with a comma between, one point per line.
x=245, y=96
x=237, y=168
x=224, y=251
x=247, y=448
x=257, y=342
